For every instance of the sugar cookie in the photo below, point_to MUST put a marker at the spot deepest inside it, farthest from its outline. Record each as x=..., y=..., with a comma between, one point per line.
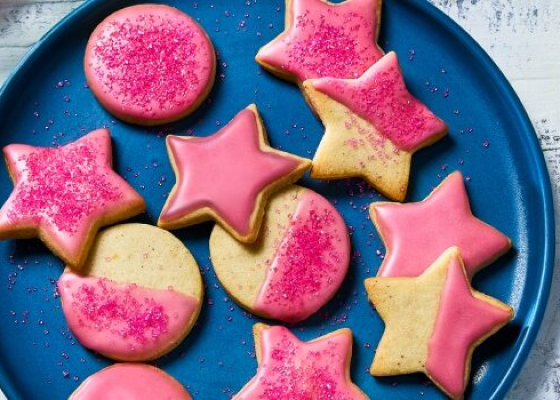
x=433, y=323
x=297, y=263
x=139, y=296
x=415, y=234
x=324, y=39
x=227, y=177
x=130, y=382
x=150, y=64
x=64, y=195
x=291, y=369
x=373, y=126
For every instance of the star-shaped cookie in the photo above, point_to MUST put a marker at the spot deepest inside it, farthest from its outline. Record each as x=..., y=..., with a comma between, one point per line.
x=433, y=323
x=415, y=234
x=64, y=195
x=324, y=39
x=373, y=126
x=227, y=177
x=291, y=369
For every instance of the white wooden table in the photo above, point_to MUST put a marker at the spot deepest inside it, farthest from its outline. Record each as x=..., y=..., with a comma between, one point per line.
x=523, y=38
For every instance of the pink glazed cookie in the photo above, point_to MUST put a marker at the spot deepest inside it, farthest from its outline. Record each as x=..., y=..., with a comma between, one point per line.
x=227, y=177
x=291, y=369
x=138, y=297
x=64, y=195
x=324, y=39
x=297, y=263
x=433, y=323
x=373, y=126
x=130, y=382
x=415, y=234
x=150, y=64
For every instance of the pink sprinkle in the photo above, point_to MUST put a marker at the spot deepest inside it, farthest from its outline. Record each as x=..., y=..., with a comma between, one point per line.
x=335, y=42
x=62, y=186
x=105, y=306
x=308, y=258
x=381, y=97
x=297, y=374
x=151, y=61
x=327, y=50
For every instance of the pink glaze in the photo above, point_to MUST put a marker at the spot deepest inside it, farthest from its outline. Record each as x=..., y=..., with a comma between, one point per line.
x=310, y=263
x=224, y=172
x=130, y=382
x=123, y=320
x=462, y=320
x=336, y=40
x=63, y=191
x=291, y=369
x=415, y=234
x=149, y=62
x=380, y=96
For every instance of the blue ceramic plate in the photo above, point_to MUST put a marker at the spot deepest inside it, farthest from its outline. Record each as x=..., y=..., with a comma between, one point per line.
x=491, y=141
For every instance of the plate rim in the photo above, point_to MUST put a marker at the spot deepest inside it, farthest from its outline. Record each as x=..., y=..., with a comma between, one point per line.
x=536, y=313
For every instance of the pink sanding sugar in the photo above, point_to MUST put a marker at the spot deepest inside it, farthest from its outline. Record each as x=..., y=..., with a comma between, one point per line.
x=328, y=51
x=298, y=373
x=150, y=59
x=121, y=312
x=62, y=186
x=308, y=257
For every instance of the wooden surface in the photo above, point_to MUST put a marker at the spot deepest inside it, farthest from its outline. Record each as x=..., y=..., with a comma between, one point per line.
x=523, y=38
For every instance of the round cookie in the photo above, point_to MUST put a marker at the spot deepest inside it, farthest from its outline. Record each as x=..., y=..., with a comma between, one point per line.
x=130, y=381
x=150, y=64
x=139, y=296
x=297, y=263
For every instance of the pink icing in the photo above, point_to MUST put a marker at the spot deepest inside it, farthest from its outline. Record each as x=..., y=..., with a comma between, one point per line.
x=149, y=62
x=123, y=320
x=415, y=234
x=64, y=190
x=130, y=382
x=310, y=262
x=225, y=172
x=337, y=40
x=462, y=320
x=380, y=96
x=291, y=369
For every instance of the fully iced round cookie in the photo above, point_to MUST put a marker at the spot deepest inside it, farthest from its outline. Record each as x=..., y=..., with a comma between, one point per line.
x=138, y=295
x=130, y=382
x=150, y=64
x=296, y=264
